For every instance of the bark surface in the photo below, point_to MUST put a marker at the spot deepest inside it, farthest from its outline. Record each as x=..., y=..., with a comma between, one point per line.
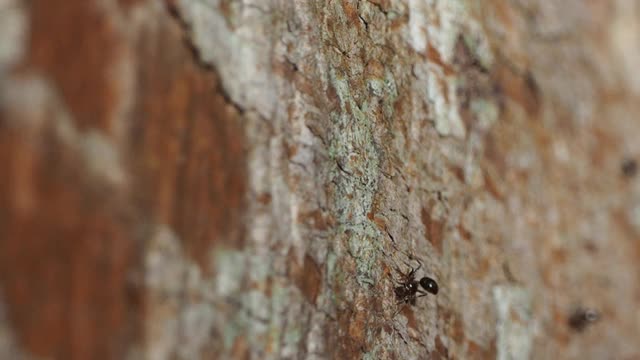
x=234, y=179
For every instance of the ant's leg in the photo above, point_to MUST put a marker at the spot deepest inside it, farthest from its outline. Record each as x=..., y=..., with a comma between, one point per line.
x=401, y=305
x=406, y=277
x=411, y=257
x=413, y=270
x=419, y=262
x=402, y=275
x=418, y=268
x=400, y=334
x=401, y=302
x=422, y=293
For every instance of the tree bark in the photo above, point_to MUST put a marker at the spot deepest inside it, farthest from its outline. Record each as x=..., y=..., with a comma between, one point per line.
x=221, y=179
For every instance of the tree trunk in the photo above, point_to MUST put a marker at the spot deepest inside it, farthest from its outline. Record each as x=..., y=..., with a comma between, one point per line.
x=219, y=179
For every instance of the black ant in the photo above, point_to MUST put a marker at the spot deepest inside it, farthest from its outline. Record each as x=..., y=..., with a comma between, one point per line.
x=581, y=318
x=629, y=167
x=409, y=291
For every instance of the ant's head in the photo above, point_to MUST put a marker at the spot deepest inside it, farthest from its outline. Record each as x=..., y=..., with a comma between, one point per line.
x=412, y=287
x=429, y=284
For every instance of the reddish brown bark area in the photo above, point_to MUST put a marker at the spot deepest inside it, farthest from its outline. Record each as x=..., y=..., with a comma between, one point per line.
x=75, y=44
x=188, y=146
x=71, y=242
x=67, y=253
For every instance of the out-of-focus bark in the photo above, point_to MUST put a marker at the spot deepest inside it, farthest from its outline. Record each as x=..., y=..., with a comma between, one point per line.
x=244, y=179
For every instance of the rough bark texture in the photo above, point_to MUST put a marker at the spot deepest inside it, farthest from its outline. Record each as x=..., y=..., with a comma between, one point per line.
x=242, y=179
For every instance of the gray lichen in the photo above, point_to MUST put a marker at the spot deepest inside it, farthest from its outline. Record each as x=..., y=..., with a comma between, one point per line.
x=514, y=327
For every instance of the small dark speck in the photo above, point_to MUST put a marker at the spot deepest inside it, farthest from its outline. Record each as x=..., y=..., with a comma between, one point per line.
x=629, y=168
x=581, y=318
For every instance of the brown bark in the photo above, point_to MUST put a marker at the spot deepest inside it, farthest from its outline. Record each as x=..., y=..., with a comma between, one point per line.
x=246, y=179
